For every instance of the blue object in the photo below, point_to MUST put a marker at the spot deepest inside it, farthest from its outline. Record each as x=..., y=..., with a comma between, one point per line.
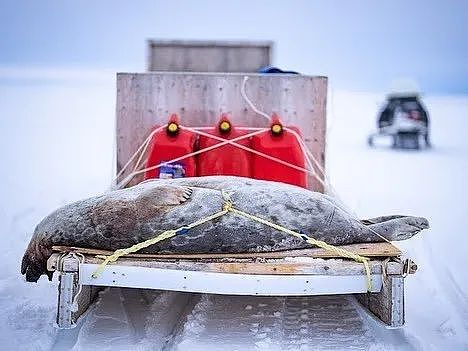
x=182, y=231
x=272, y=69
x=171, y=171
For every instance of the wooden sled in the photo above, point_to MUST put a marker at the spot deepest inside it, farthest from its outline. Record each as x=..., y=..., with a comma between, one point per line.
x=145, y=100
x=287, y=273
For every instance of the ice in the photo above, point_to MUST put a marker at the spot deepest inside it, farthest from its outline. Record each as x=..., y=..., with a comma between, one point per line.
x=56, y=146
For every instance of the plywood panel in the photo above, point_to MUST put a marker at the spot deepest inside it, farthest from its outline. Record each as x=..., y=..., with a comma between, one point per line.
x=281, y=266
x=208, y=56
x=147, y=99
x=388, y=305
x=366, y=249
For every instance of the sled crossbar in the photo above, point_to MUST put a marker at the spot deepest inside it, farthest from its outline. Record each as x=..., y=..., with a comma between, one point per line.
x=366, y=249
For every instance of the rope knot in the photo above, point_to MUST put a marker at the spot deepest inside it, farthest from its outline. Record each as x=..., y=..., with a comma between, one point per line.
x=227, y=206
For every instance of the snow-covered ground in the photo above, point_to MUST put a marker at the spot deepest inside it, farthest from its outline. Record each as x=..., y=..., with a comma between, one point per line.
x=430, y=183
x=56, y=146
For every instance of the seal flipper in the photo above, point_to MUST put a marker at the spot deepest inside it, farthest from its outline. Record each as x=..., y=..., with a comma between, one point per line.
x=112, y=218
x=396, y=227
x=380, y=219
x=34, y=263
x=168, y=195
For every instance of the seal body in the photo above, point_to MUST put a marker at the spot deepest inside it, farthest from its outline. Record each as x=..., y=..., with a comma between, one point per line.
x=126, y=217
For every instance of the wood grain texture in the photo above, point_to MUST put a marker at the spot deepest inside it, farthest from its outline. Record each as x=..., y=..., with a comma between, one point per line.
x=147, y=99
x=311, y=266
x=281, y=266
x=366, y=249
x=208, y=56
x=389, y=304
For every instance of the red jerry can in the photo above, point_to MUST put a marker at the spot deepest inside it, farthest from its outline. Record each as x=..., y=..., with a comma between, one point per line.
x=167, y=144
x=282, y=144
x=226, y=159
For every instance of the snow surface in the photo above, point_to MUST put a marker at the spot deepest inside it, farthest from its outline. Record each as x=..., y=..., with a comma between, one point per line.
x=57, y=147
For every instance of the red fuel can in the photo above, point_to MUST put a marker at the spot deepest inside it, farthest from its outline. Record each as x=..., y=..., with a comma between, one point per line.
x=167, y=144
x=226, y=159
x=282, y=144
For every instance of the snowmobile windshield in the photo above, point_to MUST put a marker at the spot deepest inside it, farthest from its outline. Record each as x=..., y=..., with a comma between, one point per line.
x=409, y=106
x=406, y=107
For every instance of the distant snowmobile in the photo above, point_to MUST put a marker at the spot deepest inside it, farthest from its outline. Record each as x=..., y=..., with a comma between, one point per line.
x=405, y=120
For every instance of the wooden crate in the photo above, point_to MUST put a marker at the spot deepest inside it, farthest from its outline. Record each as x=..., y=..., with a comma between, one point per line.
x=147, y=99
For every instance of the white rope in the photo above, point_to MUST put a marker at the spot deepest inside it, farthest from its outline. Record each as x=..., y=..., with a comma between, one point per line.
x=272, y=158
x=81, y=259
x=308, y=153
x=127, y=179
x=137, y=165
x=249, y=102
x=143, y=145
x=304, y=147
x=142, y=153
x=238, y=128
x=223, y=142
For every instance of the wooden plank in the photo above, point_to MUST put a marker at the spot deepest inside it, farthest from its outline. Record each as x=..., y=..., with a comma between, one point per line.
x=306, y=266
x=388, y=305
x=147, y=99
x=208, y=56
x=383, y=249
x=277, y=266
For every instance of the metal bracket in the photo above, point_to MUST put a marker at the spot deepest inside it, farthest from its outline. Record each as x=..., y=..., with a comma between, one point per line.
x=409, y=267
x=68, y=290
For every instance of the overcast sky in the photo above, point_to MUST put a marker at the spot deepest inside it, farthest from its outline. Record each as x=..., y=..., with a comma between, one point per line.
x=360, y=45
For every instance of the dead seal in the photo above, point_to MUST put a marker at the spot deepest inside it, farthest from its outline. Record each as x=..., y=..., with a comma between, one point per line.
x=122, y=218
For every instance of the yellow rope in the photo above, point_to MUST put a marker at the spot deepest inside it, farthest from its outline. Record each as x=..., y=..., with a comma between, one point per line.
x=339, y=251
x=163, y=236
x=228, y=207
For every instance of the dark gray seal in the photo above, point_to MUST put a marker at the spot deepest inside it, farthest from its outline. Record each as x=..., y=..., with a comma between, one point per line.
x=122, y=218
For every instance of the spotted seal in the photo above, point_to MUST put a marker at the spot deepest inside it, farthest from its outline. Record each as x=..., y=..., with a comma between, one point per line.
x=119, y=219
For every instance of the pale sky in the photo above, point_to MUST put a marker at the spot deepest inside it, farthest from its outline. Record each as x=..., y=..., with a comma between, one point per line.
x=360, y=45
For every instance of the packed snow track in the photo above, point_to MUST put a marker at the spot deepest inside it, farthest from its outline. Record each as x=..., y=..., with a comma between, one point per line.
x=125, y=318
